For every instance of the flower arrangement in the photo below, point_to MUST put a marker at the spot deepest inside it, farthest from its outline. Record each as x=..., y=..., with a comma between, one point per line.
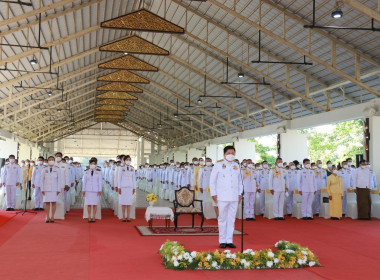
x=286, y=255
x=151, y=198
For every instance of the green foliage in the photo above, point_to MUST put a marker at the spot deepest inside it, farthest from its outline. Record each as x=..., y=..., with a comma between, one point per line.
x=346, y=140
x=263, y=152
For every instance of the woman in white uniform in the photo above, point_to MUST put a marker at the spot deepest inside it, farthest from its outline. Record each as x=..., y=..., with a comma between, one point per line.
x=92, y=189
x=50, y=188
x=127, y=187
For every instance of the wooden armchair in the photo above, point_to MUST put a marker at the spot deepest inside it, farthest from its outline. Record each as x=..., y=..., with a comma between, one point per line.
x=184, y=205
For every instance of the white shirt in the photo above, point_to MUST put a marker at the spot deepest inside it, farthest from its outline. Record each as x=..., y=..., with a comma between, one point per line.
x=204, y=177
x=362, y=178
x=12, y=174
x=92, y=183
x=225, y=181
x=249, y=180
x=51, y=181
x=126, y=177
x=277, y=179
x=36, y=175
x=307, y=182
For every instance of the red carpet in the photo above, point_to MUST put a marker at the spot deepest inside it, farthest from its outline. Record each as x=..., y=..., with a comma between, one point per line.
x=110, y=249
x=5, y=217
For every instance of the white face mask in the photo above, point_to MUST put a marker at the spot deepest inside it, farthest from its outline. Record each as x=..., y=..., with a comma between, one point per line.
x=259, y=167
x=58, y=159
x=329, y=165
x=230, y=157
x=31, y=164
x=299, y=166
x=280, y=164
x=345, y=166
x=51, y=162
x=265, y=166
x=335, y=171
x=362, y=166
x=45, y=163
x=307, y=165
x=369, y=166
x=12, y=160
x=28, y=163
x=40, y=162
x=172, y=164
x=250, y=165
x=182, y=168
x=127, y=162
x=195, y=162
x=319, y=165
x=70, y=161
x=92, y=166
x=202, y=163
x=349, y=163
x=293, y=167
x=23, y=164
x=209, y=163
x=314, y=167
x=244, y=164
x=177, y=165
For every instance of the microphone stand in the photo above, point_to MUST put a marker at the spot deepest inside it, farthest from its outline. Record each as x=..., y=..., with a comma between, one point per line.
x=26, y=200
x=242, y=212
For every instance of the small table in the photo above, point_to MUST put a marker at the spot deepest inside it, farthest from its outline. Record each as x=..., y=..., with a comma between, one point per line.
x=159, y=213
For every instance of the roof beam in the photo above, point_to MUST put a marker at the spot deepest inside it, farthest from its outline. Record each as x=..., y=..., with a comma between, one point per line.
x=364, y=9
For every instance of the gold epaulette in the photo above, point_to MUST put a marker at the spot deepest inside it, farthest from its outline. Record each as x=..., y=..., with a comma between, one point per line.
x=220, y=160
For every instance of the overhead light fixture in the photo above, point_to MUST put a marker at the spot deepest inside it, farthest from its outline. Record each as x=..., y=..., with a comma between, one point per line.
x=50, y=93
x=337, y=13
x=241, y=75
x=199, y=101
x=33, y=61
x=176, y=115
x=126, y=53
x=59, y=110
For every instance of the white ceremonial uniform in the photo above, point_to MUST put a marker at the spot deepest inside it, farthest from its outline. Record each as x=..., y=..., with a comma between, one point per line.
x=190, y=173
x=374, y=181
x=65, y=179
x=127, y=183
x=182, y=178
x=36, y=181
x=278, y=183
x=226, y=184
x=362, y=178
x=204, y=182
x=92, y=185
x=292, y=177
x=321, y=179
x=308, y=185
x=51, y=183
x=263, y=181
x=11, y=177
x=250, y=188
x=347, y=180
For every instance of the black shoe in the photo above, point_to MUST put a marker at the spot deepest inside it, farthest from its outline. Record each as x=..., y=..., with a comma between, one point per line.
x=36, y=209
x=42, y=209
x=47, y=221
x=317, y=214
x=8, y=209
x=305, y=218
x=276, y=219
x=12, y=209
x=344, y=215
x=124, y=220
x=248, y=219
x=253, y=219
x=222, y=245
x=310, y=218
x=282, y=218
x=261, y=214
x=231, y=245
x=29, y=198
x=289, y=215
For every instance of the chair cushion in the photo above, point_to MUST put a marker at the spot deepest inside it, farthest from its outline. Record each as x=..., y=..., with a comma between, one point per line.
x=188, y=210
x=184, y=197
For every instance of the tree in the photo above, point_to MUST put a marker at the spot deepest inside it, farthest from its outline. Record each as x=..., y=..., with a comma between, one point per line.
x=264, y=152
x=346, y=140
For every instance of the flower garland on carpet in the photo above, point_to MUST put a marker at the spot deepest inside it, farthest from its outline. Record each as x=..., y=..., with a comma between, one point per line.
x=151, y=197
x=286, y=255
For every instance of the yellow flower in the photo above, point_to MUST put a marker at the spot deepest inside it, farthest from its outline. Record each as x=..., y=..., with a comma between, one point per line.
x=200, y=264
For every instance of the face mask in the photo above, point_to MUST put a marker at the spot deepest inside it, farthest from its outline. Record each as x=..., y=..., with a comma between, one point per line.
x=12, y=160
x=202, y=163
x=335, y=171
x=230, y=157
x=182, y=168
x=58, y=159
x=259, y=167
x=128, y=162
x=329, y=165
x=293, y=167
x=265, y=166
x=40, y=163
x=349, y=163
x=244, y=164
x=45, y=163
x=177, y=165
x=195, y=162
x=345, y=166
x=299, y=166
x=186, y=167
x=369, y=166
x=280, y=164
x=172, y=164
x=319, y=165
x=7, y=163
x=250, y=166
x=51, y=163
x=307, y=165
x=362, y=166
x=314, y=167
x=70, y=161
x=92, y=166
x=28, y=163
x=31, y=164
x=209, y=163
x=23, y=164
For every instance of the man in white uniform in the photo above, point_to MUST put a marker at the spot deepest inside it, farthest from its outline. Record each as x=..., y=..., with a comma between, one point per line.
x=292, y=175
x=250, y=188
x=307, y=188
x=321, y=179
x=36, y=184
x=12, y=178
x=277, y=186
x=64, y=176
x=226, y=190
x=204, y=179
x=346, y=176
x=263, y=181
